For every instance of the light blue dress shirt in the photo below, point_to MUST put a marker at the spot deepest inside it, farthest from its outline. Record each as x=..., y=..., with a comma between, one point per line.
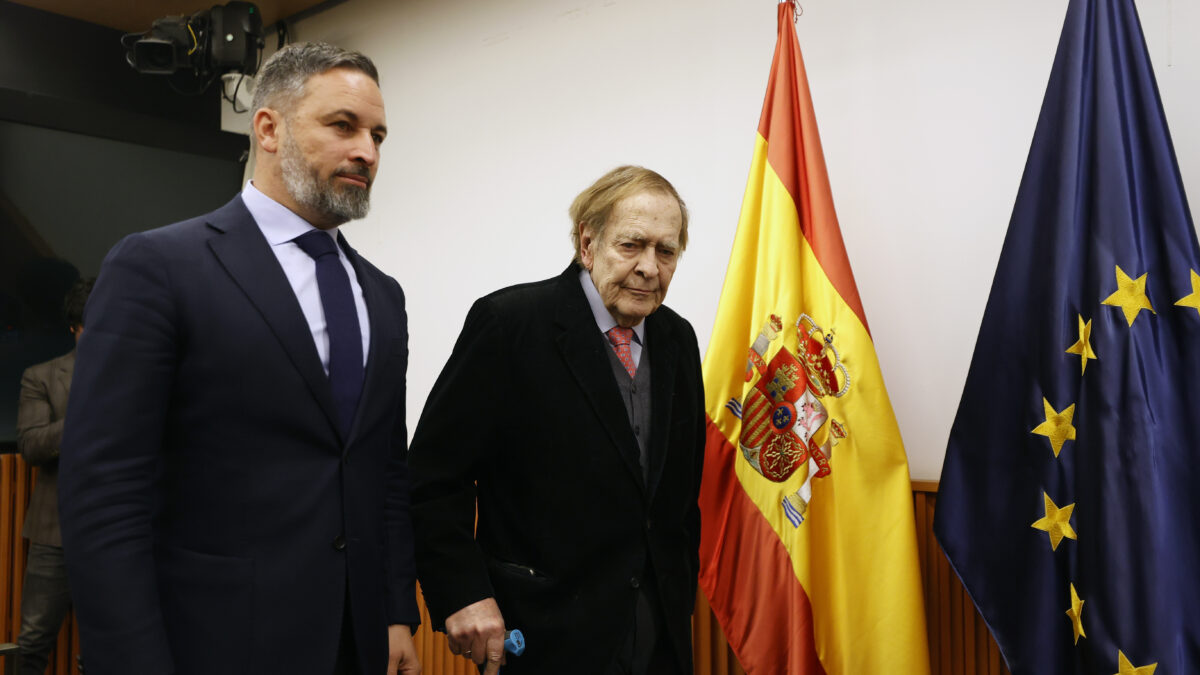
x=605, y=320
x=280, y=226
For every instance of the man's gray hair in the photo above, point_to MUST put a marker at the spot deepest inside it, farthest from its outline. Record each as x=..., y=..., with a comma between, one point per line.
x=281, y=80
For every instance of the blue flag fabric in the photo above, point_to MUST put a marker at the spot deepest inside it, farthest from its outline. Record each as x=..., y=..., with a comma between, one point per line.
x=1069, y=502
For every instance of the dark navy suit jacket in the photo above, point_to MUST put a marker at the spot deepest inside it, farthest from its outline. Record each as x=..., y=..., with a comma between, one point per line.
x=214, y=520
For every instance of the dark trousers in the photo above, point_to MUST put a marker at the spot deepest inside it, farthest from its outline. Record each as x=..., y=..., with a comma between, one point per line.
x=45, y=598
x=647, y=649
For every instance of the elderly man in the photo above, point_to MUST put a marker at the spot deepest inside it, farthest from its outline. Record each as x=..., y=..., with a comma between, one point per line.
x=571, y=414
x=233, y=484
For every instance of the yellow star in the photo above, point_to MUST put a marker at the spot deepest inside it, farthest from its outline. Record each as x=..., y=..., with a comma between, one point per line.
x=1076, y=613
x=1130, y=295
x=1127, y=668
x=1057, y=522
x=1084, y=346
x=1192, y=300
x=1057, y=426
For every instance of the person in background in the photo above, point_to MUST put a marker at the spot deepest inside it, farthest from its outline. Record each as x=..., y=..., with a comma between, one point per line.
x=41, y=410
x=234, y=485
x=571, y=413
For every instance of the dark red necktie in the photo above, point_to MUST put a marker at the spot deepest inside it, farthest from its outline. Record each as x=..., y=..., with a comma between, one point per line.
x=620, y=337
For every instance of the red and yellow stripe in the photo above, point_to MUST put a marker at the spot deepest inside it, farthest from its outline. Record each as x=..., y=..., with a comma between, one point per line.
x=841, y=593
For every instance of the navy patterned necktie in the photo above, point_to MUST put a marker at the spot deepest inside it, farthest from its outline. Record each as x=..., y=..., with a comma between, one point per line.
x=341, y=323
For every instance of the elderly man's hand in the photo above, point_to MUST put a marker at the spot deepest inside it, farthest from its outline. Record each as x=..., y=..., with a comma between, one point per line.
x=477, y=632
x=402, y=653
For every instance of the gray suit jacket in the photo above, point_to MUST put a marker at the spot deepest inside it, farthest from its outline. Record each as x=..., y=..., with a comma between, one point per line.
x=40, y=414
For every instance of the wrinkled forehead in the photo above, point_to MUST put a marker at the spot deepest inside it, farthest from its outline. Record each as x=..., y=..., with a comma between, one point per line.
x=650, y=213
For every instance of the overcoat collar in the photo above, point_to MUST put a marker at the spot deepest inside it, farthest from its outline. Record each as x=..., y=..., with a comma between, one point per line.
x=664, y=365
x=582, y=347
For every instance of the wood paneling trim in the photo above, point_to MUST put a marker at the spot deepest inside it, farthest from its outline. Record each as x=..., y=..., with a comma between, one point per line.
x=925, y=487
x=959, y=642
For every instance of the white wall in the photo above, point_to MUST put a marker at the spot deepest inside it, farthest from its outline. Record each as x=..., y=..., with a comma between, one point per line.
x=500, y=111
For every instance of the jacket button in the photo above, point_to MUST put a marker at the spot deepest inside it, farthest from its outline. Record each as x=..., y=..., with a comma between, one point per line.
x=634, y=583
x=339, y=543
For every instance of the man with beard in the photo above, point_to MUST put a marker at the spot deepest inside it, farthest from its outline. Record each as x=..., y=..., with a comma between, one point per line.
x=233, y=483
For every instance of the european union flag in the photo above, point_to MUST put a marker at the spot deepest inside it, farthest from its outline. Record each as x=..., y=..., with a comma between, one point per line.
x=1070, y=496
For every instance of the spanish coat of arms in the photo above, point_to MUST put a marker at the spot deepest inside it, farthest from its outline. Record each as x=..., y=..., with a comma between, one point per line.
x=785, y=426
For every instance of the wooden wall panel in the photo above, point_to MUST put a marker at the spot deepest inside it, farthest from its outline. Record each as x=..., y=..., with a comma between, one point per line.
x=9, y=577
x=959, y=642
x=16, y=484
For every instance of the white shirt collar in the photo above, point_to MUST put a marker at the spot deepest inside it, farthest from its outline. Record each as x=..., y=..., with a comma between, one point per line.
x=278, y=223
x=605, y=320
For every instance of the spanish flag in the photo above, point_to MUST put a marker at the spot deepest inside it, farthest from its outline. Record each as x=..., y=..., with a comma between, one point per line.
x=808, y=550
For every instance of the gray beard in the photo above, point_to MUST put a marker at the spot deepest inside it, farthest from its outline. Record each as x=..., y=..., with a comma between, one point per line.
x=332, y=202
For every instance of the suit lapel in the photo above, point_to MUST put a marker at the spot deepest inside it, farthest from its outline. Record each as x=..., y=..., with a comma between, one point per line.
x=247, y=257
x=59, y=394
x=382, y=335
x=66, y=365
x=664, y=362
x=582, y=350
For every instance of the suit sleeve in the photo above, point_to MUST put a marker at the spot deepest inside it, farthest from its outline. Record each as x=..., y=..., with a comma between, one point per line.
x=457, y=428
x=111, y=453
x=401, y=565
x=39, y=435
